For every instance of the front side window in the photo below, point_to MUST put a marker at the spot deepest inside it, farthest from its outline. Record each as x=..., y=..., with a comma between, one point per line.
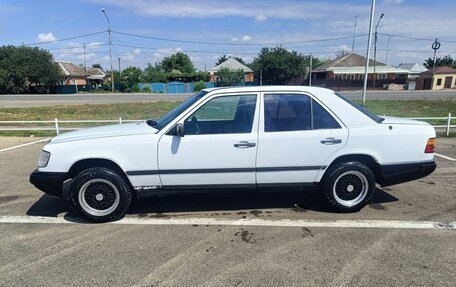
x=223, y=115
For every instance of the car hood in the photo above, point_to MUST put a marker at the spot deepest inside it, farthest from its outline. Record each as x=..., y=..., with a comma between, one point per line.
x=106, y=131
x=394, y=120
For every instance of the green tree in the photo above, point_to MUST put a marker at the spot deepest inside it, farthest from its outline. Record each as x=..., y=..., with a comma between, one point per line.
x=153, y=74
x=224, y=58
x=445, y=61
x=178, y=61
x=227, y=77
x=131, y=76
x=279, y=66
x=27, y=69
x=199, y=86
x=97, y=66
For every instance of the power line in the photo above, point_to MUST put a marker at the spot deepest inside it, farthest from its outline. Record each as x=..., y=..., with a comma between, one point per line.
x=234, y=44
x=415, y=38
x=66, y=39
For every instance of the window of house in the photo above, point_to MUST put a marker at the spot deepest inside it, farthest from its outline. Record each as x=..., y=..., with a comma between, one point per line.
x=223, y=115
x=439, y=82
x=292, y=112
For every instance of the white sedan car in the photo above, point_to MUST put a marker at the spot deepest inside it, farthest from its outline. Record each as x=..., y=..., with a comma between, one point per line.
x=240, y=137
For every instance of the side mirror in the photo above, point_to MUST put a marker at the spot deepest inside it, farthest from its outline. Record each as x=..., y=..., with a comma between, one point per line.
x=180, y=129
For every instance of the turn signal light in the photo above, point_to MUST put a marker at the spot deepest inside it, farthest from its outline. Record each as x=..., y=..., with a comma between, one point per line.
x=430, y=146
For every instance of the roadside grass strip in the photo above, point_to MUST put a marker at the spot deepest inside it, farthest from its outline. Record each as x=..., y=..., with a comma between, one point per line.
x=23, y=145
x=382, y=224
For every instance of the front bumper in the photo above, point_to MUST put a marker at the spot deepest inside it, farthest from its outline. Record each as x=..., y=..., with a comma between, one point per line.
x=48, y=182
x=399, y=173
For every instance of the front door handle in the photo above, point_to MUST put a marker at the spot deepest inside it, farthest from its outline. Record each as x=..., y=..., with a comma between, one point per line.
x=244, y=144
x=331, y=141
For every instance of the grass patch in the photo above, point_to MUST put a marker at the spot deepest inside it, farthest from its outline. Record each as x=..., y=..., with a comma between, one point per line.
x=412, y=108
x=153, y=110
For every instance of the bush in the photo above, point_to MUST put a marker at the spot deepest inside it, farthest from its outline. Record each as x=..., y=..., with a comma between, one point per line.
x=199, y=86
x=146, y=89
x=135, y=88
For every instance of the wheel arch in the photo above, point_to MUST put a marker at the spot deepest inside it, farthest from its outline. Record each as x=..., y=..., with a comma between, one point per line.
x=366, y=159
x=83, y=164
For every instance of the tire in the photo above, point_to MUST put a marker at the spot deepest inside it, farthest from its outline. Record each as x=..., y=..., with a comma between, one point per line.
x=348, y=186
x=100, y=195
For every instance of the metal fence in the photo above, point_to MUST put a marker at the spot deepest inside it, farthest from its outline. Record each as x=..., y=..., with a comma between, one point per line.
x=56, y=124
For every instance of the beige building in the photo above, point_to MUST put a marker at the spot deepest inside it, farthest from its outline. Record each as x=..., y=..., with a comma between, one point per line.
x=441, y=78
x=231, y=64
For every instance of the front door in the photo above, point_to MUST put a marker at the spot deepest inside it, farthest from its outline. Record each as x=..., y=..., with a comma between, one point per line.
x=218, y=147
x=448, y=81
x=296, y=136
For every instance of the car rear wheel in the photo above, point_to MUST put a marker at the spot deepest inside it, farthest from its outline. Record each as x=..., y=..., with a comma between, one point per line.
x=100, y=195
x=348, y=186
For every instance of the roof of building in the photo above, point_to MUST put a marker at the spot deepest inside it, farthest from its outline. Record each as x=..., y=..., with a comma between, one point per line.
x=412, y=67
x=95, y=73
x=353, y=63
x=70, y=69
x=441, y=70
x=348, y=60
x=231, y=64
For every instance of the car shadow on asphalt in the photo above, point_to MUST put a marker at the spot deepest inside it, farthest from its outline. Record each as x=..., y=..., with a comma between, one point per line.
x=216, y=201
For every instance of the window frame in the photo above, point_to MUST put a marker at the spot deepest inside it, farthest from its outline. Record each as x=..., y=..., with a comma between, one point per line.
x=262, y=123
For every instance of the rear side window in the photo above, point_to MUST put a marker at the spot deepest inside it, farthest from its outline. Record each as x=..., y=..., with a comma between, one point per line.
x=322, y=119
x=295, y=112
x=284, y=112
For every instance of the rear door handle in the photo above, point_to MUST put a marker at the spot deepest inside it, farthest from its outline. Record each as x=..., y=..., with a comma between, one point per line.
x=244, y=144
x=329, y=141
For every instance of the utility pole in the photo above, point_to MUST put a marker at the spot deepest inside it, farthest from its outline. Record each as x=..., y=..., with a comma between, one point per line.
x=310, y=71
x=375, y=45
x=119, y=67
x=110, y=49
x=387, y=50
x=261, y=77
x=371, y=23
x=85, y=65
x=354, y=34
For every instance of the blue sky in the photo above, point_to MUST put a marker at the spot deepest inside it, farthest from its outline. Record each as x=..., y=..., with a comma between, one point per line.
x=239, y=25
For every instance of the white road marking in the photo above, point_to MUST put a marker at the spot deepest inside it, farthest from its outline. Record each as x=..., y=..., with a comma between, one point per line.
x=22, y=145
x=445, y=157
x=243, y=222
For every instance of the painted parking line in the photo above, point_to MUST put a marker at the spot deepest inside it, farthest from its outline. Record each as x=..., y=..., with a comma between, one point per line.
x=22, y=145
x=445, y=157
x=386, y=224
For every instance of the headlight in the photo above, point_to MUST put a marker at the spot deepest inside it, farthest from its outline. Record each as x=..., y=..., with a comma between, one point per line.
x=44, y=158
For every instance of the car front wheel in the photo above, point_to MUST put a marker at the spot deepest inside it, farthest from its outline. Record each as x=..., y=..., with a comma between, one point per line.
x=348, y=186
x=100, y=195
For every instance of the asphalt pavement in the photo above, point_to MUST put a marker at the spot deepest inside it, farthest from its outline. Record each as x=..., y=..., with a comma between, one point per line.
x=23, y=101
x=60, y=250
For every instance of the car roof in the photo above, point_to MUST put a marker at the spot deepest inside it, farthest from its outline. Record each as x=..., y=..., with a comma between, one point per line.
x=268, y=89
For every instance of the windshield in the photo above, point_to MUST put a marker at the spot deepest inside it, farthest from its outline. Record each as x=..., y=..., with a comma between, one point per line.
x=171, y=115
x=362, y=109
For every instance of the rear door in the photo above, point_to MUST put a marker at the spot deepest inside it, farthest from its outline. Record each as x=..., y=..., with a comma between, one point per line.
x=297, y=134
x=219, y=145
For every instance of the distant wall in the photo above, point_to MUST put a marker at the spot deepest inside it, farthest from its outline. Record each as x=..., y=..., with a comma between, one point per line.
x=172, y=87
